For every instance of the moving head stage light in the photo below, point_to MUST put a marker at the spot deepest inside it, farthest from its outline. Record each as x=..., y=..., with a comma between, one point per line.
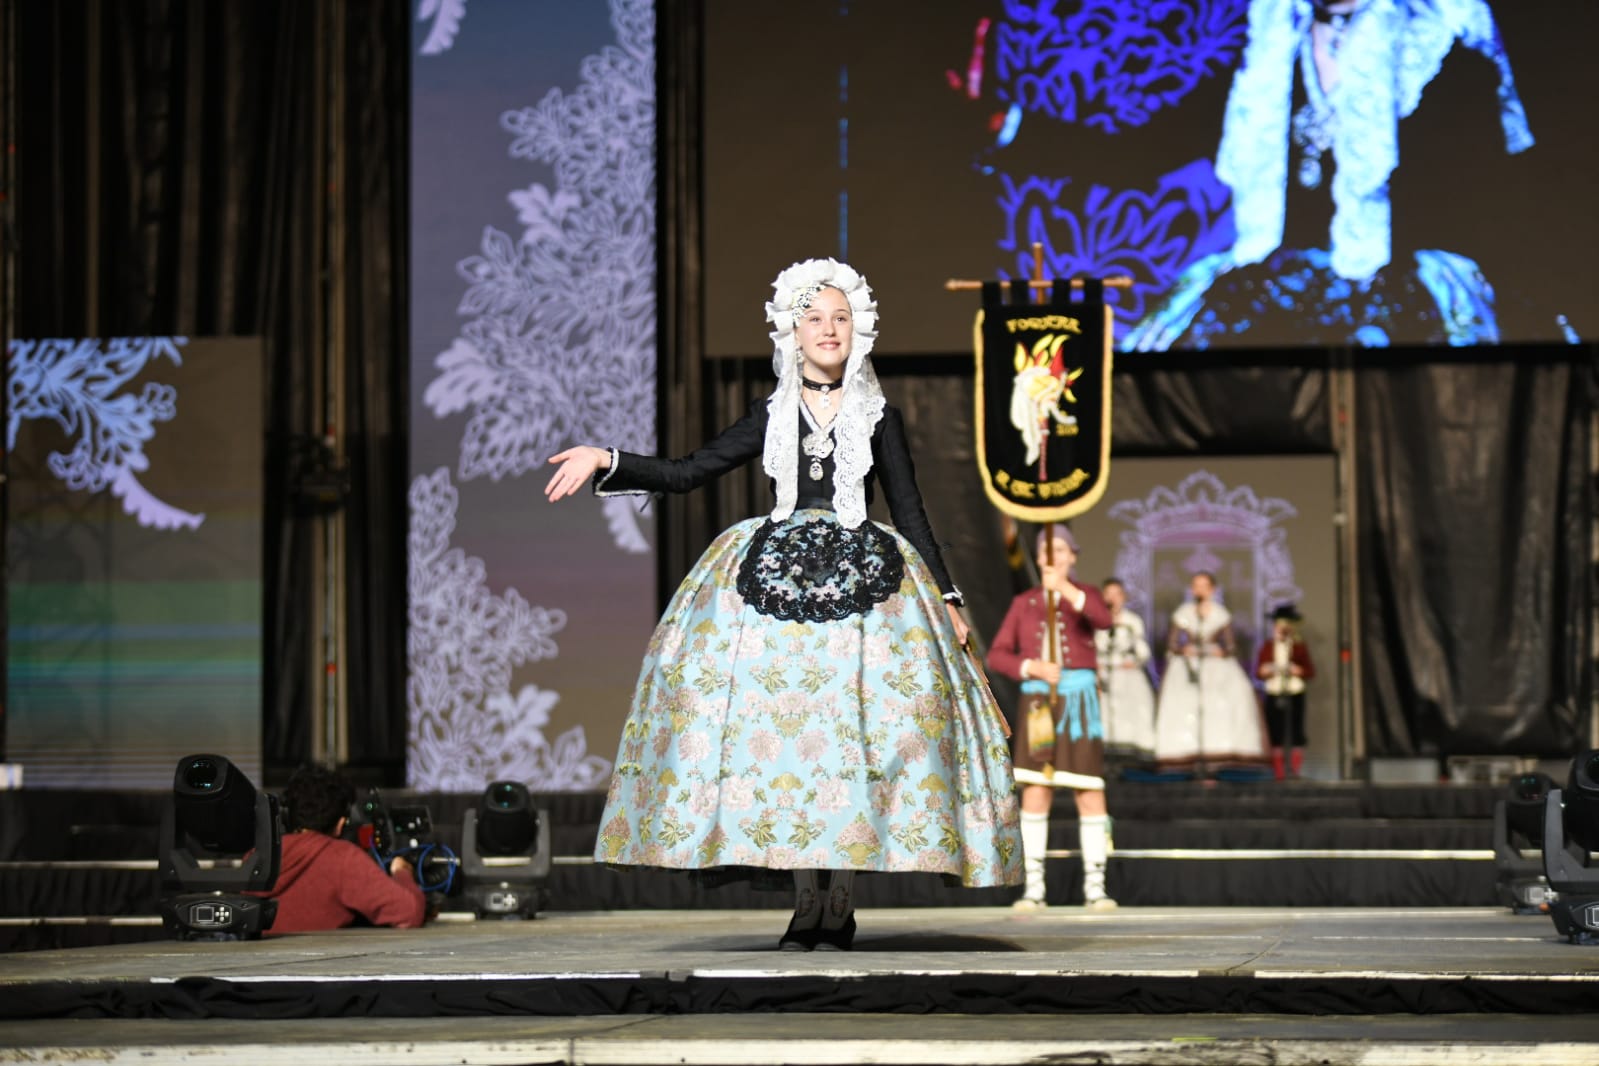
x=505, y=853
x=220, y=838
x=1518, y=825
x=1570, y=836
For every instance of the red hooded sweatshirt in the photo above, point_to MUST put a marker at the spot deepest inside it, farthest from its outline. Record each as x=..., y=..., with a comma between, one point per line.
x=327, y=883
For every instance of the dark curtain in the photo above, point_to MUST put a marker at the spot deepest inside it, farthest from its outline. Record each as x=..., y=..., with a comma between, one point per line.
x=683, y=521
x=188, y=167
x=1256, y=403
x=1476, y=506
x=373, y=214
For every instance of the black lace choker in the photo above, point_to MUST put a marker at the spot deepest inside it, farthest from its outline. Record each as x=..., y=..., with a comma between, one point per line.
x=823, y=387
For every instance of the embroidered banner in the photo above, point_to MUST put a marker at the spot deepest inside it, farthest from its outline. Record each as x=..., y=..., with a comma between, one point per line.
x=1043, y=400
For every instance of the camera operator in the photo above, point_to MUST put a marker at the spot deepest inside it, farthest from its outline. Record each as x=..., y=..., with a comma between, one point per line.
x=326, y=882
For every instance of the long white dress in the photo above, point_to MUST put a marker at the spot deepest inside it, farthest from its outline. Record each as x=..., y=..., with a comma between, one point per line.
x=1129, y=703
x=1207, y=707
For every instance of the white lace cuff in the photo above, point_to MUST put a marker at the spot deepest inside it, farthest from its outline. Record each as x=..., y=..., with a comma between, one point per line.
x=954, y=596
x=601, y=479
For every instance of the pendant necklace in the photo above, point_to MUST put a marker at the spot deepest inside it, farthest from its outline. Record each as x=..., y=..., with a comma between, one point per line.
x=818, y=443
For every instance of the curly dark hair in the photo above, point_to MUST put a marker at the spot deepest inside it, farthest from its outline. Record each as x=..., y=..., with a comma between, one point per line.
x=316, y=798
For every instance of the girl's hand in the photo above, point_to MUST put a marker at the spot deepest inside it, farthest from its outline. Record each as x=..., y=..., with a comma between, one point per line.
x=577, y=466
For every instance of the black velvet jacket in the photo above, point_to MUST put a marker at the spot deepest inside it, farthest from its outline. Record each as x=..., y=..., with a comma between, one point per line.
x=745, y=439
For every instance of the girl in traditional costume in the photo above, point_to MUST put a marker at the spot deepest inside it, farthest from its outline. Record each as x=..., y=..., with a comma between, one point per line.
x=1128, y=696
x=806, y=705
x=1207, y=711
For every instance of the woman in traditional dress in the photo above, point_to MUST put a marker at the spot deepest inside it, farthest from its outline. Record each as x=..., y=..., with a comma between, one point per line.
x=1129, y=699
x=1207, y=711
x=807, y=704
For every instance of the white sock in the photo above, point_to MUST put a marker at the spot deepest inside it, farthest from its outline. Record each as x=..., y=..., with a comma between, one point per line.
x=1093, y=836
x=839, y=905
x=807, y=912
x=1035, y=841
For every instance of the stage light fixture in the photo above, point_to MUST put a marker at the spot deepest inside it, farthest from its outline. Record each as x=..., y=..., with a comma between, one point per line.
x=1582, y=800
x=1518, y=826
x=220, y=838
x=1570, y=836
x=505, y=853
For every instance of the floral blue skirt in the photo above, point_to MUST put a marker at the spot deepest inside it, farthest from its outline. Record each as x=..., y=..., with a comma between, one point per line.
x=804, y=705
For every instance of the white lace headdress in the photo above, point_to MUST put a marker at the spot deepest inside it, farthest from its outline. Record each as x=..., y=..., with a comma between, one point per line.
x=863, y=401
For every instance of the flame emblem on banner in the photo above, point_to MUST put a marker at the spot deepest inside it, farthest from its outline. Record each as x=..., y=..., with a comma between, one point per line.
x=1041, y=386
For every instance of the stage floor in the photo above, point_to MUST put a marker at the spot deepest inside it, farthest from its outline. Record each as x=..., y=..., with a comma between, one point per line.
x=984, y=985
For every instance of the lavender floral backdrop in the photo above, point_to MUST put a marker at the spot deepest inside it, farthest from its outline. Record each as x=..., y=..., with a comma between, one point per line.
x=550, y=342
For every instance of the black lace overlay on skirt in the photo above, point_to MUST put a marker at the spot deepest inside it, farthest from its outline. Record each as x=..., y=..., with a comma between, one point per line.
x=818, y=571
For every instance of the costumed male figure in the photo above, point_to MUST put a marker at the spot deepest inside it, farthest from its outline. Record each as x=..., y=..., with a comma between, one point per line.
x=1059, y=736
x=1284, y=665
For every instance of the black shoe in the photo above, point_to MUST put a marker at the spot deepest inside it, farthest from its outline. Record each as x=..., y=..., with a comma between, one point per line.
x=835, y=939
x=798, y=939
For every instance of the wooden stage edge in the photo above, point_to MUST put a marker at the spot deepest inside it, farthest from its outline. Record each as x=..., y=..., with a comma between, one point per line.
x=924, y=985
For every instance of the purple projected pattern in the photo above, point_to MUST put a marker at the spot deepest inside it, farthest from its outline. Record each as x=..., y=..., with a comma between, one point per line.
x=1150, y=236
x=1201, y=524
x=1111, y=64
x=77, y=384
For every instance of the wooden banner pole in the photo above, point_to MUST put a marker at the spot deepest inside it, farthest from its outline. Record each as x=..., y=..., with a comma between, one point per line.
x=970, y=284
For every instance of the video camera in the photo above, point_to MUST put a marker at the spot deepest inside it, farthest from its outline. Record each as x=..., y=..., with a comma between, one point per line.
x=387, y=832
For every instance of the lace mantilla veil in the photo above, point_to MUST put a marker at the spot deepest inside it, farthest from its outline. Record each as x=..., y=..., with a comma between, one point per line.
x=863, y=397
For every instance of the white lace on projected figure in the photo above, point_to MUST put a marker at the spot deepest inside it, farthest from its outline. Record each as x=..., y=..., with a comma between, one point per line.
x=467, y=726
x=559, y=343
x=1323, y=87
x=80, y=386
